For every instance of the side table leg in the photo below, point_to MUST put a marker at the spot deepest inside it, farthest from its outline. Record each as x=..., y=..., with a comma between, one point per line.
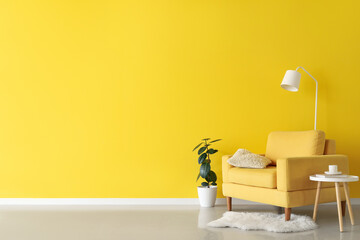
x=346, y=188
x=338, y=200
x=316, y=200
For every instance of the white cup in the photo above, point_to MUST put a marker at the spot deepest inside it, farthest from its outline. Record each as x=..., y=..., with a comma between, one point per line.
x=333, y=168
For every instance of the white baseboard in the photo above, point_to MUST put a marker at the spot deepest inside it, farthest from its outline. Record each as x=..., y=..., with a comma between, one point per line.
x=110, y=201
x=124, y=201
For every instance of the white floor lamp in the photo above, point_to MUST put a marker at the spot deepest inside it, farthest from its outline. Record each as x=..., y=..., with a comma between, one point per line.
x=291, y=83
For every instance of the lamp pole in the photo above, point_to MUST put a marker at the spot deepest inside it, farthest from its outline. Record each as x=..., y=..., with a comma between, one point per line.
x=316, y=93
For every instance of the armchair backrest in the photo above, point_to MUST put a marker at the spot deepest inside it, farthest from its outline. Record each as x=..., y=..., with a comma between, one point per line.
x=294, y=144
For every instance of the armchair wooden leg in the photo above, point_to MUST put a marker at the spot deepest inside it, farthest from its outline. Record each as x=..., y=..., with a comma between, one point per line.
x=228, y=201
x=343, y=207
x=287, y=214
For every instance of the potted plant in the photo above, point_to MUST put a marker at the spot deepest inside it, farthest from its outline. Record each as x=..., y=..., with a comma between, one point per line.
x=208, y=189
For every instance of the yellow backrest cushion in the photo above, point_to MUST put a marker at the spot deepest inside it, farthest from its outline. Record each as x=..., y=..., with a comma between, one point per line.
x=330, y=147
x=294, y=144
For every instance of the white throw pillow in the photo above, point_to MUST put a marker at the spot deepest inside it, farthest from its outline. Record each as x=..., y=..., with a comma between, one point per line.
x=246, y=159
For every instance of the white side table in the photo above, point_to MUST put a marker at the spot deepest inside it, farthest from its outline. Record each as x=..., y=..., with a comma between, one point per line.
x=337, y=181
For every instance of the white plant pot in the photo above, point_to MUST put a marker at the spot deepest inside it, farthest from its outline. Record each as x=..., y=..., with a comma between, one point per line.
x=207, y=196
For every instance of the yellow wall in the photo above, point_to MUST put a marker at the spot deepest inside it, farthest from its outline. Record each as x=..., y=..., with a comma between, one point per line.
x=108, y=98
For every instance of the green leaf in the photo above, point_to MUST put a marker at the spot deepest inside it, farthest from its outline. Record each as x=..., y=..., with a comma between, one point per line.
x=213, y=183
x=211, y=151
x=198, y=177
x=202, y=158
x=197, y=146
x=211, y=177
x=204, y=170
x=205, y=139
x=201, y=150
x=215, y=140
x=204, y=184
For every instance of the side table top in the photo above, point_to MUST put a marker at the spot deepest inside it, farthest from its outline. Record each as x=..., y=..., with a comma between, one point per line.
x=348, y=178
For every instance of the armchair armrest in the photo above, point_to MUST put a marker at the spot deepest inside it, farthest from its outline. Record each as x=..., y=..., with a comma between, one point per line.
x=293, y=173
x=225, y=167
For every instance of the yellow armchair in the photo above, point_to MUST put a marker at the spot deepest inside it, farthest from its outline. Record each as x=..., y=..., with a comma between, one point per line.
x=295, y=156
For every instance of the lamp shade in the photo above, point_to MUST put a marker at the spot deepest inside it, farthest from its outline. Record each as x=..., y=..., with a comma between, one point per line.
x=291, y=81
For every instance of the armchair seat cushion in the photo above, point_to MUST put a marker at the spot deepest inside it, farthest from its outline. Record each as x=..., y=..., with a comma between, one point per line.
x=265, y=178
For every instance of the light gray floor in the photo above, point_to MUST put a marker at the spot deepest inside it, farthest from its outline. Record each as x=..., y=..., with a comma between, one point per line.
x=153, y=222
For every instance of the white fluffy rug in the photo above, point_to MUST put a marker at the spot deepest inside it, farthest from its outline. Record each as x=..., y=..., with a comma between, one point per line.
x=264, y=221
